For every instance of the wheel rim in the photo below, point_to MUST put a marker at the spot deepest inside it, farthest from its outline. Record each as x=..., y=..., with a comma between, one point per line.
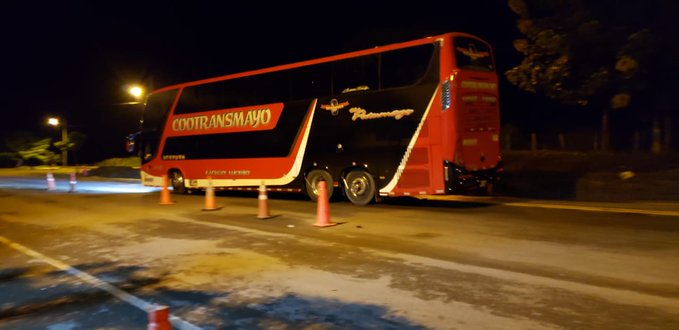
x=358, y=186
x=314, y=179
x=177, y=181
x=316, y=184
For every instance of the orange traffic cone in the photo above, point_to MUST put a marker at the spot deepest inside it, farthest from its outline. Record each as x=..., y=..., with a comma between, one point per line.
x=263, y=212
x=165, y=193
x=323, y=209
x=159, y=318
x=210, y=204
x=51, y=185
x=72, y=183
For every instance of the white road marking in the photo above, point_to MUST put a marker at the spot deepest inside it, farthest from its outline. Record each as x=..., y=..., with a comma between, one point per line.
x=97, y=283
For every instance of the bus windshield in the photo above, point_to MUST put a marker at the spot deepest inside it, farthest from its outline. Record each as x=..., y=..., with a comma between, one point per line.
x=153, y=121
x=156, y=110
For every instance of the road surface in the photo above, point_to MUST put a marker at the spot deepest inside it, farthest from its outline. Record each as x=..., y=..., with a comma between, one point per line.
x=100, y=259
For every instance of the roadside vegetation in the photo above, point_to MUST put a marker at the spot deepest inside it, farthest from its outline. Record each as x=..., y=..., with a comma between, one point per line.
x=21, y=148
x=133, y=162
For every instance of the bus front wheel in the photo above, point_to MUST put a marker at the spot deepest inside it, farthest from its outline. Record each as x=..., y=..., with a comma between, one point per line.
x=360, y=187
x=313, y=179
x=177, y=181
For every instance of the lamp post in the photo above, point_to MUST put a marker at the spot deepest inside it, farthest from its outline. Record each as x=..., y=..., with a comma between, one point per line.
x=53, y=121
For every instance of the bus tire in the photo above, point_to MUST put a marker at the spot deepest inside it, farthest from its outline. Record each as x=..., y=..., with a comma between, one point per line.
x=490, y=189
x=313, y=179
x=177, y=182
x=360, y=187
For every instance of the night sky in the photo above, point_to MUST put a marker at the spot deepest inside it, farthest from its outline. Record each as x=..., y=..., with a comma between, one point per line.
x=75, y=59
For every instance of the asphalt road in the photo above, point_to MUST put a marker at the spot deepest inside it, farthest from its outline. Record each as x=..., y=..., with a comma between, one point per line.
x=99, y=260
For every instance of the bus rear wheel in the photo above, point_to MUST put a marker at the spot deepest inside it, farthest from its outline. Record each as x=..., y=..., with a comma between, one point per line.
x=177, y=182
x=360, y=187
x=313, y=179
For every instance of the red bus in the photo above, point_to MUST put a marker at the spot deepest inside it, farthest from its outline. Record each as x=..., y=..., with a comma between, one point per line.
x=412, y=118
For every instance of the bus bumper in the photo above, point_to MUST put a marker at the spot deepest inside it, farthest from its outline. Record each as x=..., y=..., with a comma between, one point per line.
x=151, y=180
x=461, y=181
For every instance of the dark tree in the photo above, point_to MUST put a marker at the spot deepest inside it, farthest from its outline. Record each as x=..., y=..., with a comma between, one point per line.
x=38, y=153
x=604, y=54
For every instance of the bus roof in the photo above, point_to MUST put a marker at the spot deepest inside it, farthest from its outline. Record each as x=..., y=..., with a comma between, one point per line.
x=375, y=50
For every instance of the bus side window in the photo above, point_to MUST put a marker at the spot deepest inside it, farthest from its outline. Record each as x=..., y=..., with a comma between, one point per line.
x=273, y=87
x=310, y=82
x=405, y=67
x=355, y=75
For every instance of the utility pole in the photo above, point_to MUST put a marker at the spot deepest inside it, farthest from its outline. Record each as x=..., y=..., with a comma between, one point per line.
x=64, y=137
x=64, y=141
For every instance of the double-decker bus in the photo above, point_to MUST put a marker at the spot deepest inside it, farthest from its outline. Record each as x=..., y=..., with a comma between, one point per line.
x=412, y=118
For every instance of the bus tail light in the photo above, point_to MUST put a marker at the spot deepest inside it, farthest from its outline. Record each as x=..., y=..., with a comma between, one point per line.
x=459, y=160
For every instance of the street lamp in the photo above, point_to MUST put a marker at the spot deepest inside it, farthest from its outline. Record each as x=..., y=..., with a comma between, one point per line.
x=53, y=121
x=137, y=92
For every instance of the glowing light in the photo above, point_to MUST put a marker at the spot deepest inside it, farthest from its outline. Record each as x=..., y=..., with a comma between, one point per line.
x=82, y=187
x=136, y=91
x=53, y=121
